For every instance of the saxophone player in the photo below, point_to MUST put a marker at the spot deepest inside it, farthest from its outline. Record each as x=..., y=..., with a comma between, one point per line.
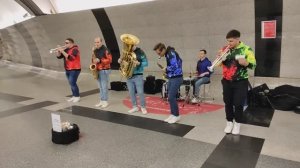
x=136, y=81
x=102, y=58
x=174, y=74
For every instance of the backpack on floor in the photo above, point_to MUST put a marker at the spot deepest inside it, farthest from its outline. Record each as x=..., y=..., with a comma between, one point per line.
x=285, y=97
x=150, y=85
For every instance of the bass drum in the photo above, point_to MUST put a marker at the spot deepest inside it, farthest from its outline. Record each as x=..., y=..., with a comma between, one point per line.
x=164, y=92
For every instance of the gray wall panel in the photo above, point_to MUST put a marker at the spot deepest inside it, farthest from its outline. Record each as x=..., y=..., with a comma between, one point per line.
x=81, y=26
x=290, y=39
x=186, y=25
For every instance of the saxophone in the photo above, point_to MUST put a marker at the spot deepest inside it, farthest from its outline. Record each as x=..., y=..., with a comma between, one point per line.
x=164, y=73
x=128, y=57
x=93, y=67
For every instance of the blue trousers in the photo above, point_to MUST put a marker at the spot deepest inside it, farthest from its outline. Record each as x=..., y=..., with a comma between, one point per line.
x=173, y=87
x=72, y=76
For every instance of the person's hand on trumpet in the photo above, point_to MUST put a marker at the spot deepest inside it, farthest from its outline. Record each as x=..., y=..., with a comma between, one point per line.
x=60, y=49
x=243, y=62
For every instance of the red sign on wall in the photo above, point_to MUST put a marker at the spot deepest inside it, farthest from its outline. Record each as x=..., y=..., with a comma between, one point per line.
x=268, y=29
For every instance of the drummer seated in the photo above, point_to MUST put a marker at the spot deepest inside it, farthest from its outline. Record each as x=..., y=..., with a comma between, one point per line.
x=202, y=79
x=202, y=75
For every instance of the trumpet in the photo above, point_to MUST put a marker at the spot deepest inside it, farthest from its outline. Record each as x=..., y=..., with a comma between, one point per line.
x=225, y=53
x=55, y=49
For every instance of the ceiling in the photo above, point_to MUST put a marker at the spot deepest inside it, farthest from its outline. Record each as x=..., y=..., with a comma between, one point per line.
x=15, y=11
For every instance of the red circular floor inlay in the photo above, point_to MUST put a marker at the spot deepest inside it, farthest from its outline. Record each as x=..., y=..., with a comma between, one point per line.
x=159, y=106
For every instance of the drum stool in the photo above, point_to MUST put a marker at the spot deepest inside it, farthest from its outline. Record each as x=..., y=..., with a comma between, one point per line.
x=206, y=94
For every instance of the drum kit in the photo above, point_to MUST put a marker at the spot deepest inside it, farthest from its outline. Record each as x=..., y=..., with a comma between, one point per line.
x=184, y=92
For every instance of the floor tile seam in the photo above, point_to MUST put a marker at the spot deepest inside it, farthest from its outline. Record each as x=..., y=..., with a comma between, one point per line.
x=276, y=157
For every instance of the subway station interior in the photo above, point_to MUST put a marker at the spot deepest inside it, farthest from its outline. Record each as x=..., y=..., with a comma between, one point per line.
x=37, y=98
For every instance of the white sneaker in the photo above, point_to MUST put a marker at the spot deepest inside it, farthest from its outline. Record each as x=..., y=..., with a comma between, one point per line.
x=195, y=100
x=76, y=99
x=104, y=104
x=144, y=110
x=133, y=110
x=169, y=118
x=228, y=128
x=99, y=104
x=71, y=99
x=174, y=119
x=236, y=128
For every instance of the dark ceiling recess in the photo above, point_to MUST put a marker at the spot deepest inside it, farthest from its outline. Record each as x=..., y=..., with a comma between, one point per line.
x=30, y=7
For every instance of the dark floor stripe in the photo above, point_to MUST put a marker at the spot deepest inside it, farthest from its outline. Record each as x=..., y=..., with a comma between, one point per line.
x=87, y=93
x=25, y=108
x=134, y=121
x=258, y=116
x=13, y=98
x=235, y=151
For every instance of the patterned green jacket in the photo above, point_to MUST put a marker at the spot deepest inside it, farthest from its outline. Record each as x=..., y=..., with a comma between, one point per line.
x=232, y=70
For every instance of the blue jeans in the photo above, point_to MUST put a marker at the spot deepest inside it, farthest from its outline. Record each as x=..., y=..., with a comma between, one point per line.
x=173, y=87
x=198, y=83
x=103, y=78
x=72, y=76
x=136, y=83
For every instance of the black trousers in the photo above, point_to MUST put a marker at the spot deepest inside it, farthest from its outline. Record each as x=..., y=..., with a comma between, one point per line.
x=234, y=96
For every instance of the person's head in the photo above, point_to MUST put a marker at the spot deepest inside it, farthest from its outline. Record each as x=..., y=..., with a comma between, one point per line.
x=202, y=54
x=98, y=42
x=233, y=38
x=69, y=42
x=160, y=49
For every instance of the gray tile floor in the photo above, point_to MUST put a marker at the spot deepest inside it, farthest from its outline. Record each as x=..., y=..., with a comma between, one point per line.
x=26, y=137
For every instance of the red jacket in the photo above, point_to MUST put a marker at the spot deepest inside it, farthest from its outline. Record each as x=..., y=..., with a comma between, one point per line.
x=73, y=60
x=105, y=58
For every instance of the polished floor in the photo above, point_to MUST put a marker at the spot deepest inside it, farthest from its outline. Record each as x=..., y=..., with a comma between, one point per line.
x=113, y=138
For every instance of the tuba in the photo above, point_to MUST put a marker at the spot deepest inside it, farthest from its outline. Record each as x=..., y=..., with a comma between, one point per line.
x=128, y=57
x=93, y=67
x=224, y=54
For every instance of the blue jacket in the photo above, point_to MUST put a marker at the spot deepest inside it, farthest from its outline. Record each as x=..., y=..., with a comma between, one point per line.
x=141, y=57
x=202, y=66
x=174, y=63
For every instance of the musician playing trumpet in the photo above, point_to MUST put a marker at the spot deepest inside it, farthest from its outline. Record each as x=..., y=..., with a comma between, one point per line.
x=235, y=80
x=71, y=55
x=102, y=58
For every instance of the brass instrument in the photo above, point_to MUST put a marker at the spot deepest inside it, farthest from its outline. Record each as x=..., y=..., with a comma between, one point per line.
x=161, y=67
x=128, y=57
x=225, y=53
x=55, y=49
x=93, y=67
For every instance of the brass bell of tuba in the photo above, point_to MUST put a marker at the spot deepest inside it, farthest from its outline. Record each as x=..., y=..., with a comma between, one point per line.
x=128, y=57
